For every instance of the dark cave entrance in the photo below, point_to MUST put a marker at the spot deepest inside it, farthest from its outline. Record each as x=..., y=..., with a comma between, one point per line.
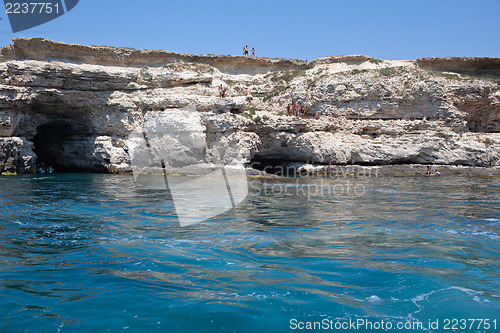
x=276, y=166
x=48, y=144
x=51, y=144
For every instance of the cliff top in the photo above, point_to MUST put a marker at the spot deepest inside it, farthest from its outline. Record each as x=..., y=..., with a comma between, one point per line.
x=47, y=50
x=43, y=49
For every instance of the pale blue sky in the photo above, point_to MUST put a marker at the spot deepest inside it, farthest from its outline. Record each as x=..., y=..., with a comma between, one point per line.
x=388, y=29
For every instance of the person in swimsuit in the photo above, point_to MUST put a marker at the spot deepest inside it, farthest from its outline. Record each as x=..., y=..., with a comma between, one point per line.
x=431, y=169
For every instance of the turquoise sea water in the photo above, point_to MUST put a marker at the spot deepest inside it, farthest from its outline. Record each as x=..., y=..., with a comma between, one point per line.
x=98, y=253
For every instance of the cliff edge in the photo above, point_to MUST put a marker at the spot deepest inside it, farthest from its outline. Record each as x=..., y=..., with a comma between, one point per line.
x=75, y=106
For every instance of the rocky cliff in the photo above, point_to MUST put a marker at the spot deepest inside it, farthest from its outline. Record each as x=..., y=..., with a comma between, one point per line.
x=75, y=107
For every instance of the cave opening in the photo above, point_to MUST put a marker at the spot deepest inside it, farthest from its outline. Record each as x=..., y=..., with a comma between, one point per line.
x=50, y=146
x=276, y=166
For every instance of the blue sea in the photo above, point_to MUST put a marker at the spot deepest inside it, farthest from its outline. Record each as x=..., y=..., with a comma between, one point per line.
x=100, y=253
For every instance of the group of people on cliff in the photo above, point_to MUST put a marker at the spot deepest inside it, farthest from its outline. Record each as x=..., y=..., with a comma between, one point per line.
x=296, y=110
x=222, y=91
x=245, y=51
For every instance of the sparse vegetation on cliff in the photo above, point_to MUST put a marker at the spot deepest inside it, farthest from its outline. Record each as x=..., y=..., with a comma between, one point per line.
x=287, y=76
x=376, y=61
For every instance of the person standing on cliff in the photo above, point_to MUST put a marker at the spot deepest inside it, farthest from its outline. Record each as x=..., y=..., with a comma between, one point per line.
x=245, y=50
x=222, y=91
x=253, y=52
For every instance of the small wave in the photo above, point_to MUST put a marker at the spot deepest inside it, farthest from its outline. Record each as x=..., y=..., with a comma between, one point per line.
x=425, y=297
x=486, y=233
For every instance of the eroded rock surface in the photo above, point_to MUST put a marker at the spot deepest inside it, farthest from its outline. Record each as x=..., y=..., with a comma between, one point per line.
x=74, y=106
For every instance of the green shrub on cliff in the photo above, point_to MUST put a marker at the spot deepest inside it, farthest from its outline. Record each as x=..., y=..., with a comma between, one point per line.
x=388, y=71
x=287, y=76
x=376, y=60
x=275, y=92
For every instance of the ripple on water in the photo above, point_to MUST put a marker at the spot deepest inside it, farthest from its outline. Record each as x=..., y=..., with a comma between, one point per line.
x=97, y=253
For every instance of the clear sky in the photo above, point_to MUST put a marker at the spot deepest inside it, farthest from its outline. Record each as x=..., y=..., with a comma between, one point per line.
x=307, y=29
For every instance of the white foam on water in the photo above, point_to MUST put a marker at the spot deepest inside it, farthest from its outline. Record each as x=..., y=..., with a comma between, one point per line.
x=424, y=297
x=465, y=290
x=478, y=232
x=374, y=299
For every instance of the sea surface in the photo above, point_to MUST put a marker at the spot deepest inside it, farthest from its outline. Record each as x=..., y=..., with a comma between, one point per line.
x=100, y=253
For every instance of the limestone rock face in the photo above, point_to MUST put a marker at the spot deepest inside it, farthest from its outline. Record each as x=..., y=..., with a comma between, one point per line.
x=78, y=108
x=16, y=155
